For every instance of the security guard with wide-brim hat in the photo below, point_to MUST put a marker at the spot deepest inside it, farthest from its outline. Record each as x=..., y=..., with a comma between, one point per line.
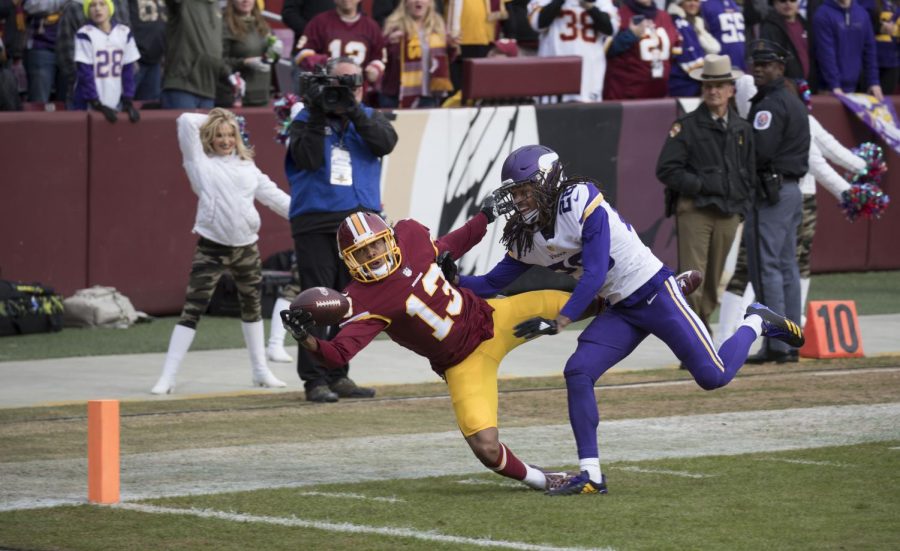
x=781, y=131
x=708, y=167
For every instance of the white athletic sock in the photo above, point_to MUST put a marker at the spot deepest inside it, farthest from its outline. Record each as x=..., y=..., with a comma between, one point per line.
x=592, y=466
x=534, y=478
x=753, y=322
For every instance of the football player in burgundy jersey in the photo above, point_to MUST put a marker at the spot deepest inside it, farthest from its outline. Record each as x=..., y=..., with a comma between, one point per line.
x=567, y=226
x=400, y=289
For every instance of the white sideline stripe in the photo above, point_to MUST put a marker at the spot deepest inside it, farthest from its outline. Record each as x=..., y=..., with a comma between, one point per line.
x=349, y=495
x=894, y=448
x=664, y=471
x=346, y=527
x=804, y=462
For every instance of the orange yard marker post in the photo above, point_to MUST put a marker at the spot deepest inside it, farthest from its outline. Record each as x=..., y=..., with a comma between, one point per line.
x=103, y=451
x=832, y=330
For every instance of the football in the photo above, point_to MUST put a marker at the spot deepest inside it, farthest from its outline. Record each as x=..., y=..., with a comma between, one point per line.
x=327, y=306
x=689, y=281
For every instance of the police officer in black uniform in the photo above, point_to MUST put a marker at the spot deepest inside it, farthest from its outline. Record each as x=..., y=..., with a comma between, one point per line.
x=708, y=166
x=781, y=130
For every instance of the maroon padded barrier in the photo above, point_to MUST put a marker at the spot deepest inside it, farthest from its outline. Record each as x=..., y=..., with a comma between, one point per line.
x=511, y=77
x=864, y=244
x=640, y=199
x=143, y=188
x=43, y=222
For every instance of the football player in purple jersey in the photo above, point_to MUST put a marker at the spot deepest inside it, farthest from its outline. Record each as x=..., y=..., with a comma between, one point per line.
x=567, y=226
x=399, y=287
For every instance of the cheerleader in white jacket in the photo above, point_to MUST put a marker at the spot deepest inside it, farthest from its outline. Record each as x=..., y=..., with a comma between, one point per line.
x=222, y=173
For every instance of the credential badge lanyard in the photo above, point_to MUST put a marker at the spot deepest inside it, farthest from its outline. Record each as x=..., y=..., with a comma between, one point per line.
x=341, y=169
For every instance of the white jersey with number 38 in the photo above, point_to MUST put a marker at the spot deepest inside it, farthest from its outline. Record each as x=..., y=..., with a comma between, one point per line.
x=572, y=34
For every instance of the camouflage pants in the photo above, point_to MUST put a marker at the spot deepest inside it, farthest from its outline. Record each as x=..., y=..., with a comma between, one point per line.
x=210, y=261
x=290, y=291
x=805, y=233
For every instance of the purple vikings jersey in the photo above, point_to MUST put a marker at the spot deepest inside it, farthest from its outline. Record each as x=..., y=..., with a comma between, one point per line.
x=725, y=22
x=592, y=243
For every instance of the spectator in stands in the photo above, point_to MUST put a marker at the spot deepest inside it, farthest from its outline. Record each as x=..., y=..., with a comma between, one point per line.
x=343, y=31
x=72, y=18
x=885, y=23
x=640, y=58
x=148, y=23
x=334, y=168
x=708, y=167
x=579, y=28
x=222, y=173
x=9, y=94
x=249, y=48
x=13, y=38
x=845, y=48
x=105, y=63
x=517, y=27
x=785, y=27
x=296, y=14
x=194, y=61
x=417, y=73
x=725, y=22
x=44, y=76
x=473, y=26
x=696, y=42
x=754, y=12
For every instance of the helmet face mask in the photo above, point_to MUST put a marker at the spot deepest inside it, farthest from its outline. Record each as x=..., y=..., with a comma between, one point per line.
x=536, y=167
x=356, y=236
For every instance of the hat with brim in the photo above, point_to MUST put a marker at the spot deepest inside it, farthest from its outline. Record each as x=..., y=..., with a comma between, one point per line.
x=765, y=51
x=716, y=68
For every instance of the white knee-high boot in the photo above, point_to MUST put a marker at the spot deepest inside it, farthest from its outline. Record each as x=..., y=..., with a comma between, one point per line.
x=730, y=314
x=275, y=351
x=804, y=294
x=255, y=337
x=179, y=343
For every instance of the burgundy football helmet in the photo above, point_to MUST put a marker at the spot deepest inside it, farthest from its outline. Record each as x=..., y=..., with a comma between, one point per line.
x=355, y=234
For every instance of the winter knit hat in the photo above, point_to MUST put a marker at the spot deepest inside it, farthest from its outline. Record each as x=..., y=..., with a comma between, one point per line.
x=87, y=8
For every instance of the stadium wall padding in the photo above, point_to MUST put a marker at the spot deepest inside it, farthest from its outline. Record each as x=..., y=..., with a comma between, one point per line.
x=45, y=191
x=90, y=203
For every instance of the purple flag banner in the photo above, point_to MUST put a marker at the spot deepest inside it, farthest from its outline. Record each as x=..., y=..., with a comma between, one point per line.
x=878, y=115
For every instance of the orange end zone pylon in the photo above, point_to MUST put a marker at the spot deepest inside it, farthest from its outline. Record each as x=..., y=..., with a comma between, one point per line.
x=832, y=330
x=103, y=451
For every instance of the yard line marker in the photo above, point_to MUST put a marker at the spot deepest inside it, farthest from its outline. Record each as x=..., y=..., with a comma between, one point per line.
x=804, y=462
x=347, y=527
x=350, y=495
x=664, y=471
x=103, y=451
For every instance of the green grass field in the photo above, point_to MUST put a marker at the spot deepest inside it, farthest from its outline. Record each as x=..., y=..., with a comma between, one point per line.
x=796, y=457
x=874, y=293
x=803, y=456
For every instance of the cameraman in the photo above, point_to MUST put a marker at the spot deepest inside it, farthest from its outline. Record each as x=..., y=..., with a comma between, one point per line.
x=334, y=169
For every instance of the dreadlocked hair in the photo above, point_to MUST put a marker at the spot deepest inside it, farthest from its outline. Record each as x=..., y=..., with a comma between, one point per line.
x=519, y=234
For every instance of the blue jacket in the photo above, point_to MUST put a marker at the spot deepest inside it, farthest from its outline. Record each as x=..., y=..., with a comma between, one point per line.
x=845, y=46
x=311, y=187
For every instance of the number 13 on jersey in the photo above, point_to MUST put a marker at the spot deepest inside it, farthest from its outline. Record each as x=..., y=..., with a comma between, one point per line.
x=431, y=282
